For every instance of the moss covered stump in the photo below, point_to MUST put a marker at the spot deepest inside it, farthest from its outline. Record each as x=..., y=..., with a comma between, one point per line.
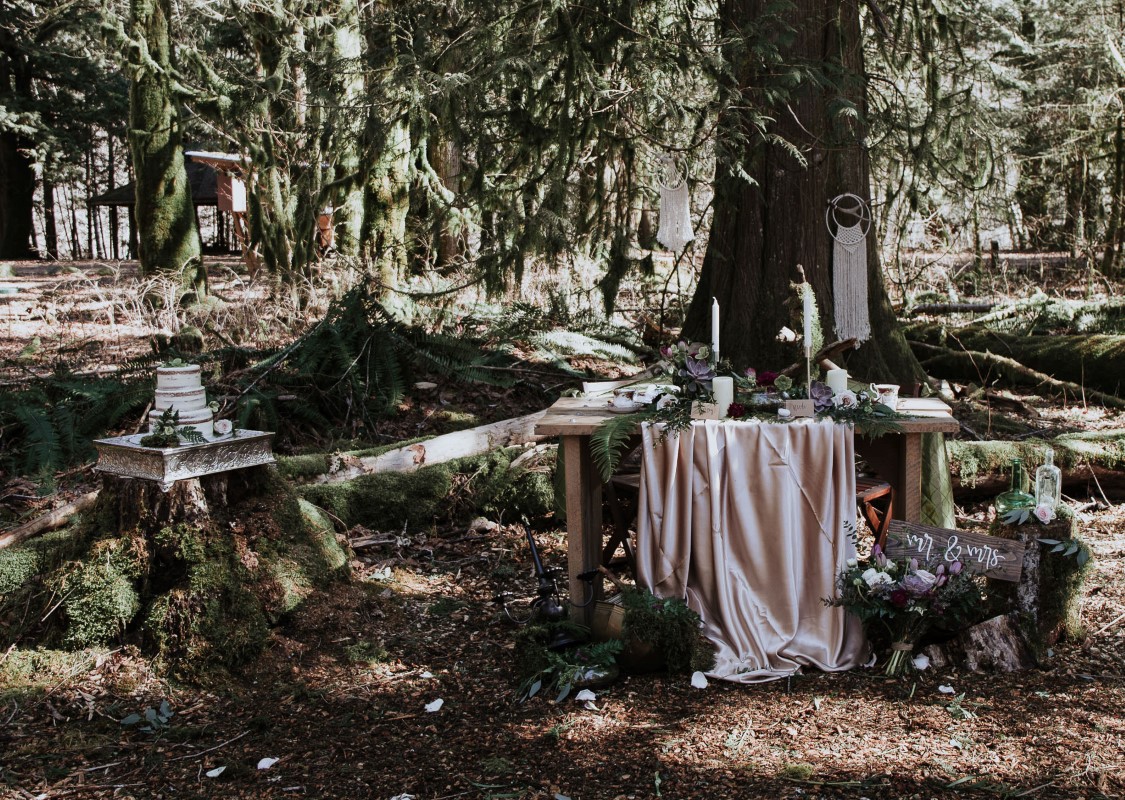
x=1046, y=603
x=195, y=576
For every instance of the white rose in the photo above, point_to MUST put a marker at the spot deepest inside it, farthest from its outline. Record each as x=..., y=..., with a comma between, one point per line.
x=223, y=427
x=874, y=577
x=845, y=399
x=852, y=562
x=1044, y=513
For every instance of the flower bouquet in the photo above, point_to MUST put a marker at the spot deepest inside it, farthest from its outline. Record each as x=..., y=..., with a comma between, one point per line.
x=903, y=600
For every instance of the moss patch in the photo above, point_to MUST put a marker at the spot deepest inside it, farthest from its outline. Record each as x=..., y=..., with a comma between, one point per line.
x=198, y=590
x=443, y=492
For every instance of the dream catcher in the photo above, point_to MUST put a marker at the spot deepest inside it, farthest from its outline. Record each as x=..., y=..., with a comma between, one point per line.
x=675, y=205
x=849, y=221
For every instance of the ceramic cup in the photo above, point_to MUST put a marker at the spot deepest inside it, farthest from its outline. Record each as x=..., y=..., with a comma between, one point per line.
x=624, y=402
x=887, y=394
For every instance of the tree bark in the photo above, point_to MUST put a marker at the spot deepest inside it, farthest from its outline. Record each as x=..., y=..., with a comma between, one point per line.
x=168, y=238
x=770, y=204
x=17, y=179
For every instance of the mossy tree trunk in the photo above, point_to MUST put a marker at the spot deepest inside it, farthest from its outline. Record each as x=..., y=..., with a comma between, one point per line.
x=770, y=203
x=168, y=238
x=387, y=145
x=347, y=81
x=17, y=178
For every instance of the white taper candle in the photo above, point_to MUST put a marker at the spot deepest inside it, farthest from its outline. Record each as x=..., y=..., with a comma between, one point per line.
x=714, y=330
x=808, y=316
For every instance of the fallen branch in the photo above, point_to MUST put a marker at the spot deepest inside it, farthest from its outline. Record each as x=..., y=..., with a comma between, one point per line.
x=48, y=522
x=972, y=363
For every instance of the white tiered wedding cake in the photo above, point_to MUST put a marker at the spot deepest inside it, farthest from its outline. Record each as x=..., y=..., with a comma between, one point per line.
x=181, y=389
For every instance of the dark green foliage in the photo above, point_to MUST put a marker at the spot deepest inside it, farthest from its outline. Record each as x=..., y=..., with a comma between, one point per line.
x=354, y=368
x=53, y=420
x=672, y=629
x=556, y=673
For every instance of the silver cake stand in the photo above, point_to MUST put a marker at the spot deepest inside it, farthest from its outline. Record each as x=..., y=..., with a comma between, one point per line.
x=124, y=456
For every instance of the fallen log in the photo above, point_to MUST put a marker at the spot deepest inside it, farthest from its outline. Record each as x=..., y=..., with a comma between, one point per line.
x=438, y=450
x=982, y=468
x=49, y=521
x=950, y=308
x=980, y=366
x=1092, y=362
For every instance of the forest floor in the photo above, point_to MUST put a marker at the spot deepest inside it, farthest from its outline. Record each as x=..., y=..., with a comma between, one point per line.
x=339, y=697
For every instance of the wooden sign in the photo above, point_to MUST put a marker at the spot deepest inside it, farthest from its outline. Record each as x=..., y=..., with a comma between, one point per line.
x=800, y=408
x=979, y=553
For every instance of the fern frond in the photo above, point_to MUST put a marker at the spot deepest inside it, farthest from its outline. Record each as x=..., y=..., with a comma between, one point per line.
x=610, y=439
x=43, y=451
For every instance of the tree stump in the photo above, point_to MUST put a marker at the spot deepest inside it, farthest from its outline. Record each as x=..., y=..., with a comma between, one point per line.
x=195, y=576
x=1046, y=602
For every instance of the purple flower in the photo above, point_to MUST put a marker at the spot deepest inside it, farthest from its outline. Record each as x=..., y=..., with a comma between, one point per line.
x=698, y=370
x=916, y=585
x=821, y=395
x=766, y=378
x=955, y=568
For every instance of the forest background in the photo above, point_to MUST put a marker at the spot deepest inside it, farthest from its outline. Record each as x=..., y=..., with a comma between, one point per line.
x=493, y=171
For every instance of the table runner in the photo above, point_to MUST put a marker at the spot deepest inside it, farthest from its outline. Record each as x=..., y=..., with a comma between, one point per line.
x=750, y=523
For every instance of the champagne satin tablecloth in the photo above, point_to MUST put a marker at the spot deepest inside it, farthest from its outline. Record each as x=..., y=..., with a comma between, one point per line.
x=750, y=523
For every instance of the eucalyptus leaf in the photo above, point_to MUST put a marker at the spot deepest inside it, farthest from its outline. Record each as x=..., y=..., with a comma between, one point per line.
x=132, y=719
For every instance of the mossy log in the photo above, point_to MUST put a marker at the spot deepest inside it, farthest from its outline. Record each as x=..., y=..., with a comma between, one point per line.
x=1093, y=460
x=1094, y=362
x=454, y=490
x=195, y=576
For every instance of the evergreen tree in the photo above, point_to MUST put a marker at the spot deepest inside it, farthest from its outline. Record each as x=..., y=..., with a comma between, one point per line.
x=165, y=215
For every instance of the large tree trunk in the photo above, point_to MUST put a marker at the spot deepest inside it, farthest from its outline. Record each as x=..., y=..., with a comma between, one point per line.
x=17, y=179
x=169, y=241
x=764, y=227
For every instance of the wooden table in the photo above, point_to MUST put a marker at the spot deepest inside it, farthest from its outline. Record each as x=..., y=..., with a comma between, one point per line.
x=897, y=457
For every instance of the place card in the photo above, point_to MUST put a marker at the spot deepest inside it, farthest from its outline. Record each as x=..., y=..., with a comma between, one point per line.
x=704, y=410
x=801, y=408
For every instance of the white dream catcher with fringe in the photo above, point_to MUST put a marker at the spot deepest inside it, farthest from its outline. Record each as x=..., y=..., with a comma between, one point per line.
x=848, y=218
x=675, y=205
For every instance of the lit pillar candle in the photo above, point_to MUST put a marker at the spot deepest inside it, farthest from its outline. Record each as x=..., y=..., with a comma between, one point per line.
x=723, y=388
x=837, y=380
x=714, y=330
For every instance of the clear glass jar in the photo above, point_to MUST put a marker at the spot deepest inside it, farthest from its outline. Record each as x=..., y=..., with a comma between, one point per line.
x=1048, y=482
x=1015, y=497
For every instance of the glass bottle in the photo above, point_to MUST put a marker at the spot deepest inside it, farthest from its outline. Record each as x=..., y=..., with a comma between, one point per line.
x=1015, y=497
x=1048, y=482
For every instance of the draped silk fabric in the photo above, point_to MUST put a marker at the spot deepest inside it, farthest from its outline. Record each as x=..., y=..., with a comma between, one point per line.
x=750, y=523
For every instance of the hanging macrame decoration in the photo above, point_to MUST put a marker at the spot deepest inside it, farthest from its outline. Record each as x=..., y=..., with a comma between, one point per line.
x=849, y=221
x=675, y=205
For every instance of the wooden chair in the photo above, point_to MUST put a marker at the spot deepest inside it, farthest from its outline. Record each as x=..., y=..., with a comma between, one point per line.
x=875, y=499
x=622, y=493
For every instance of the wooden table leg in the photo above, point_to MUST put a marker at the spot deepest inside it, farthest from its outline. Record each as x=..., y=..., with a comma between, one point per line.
x=583, y=522
x=897, y=459
x=908, y=500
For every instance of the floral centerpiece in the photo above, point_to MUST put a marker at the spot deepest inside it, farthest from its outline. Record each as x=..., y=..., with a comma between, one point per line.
x=901, y=600
x=689, y=367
